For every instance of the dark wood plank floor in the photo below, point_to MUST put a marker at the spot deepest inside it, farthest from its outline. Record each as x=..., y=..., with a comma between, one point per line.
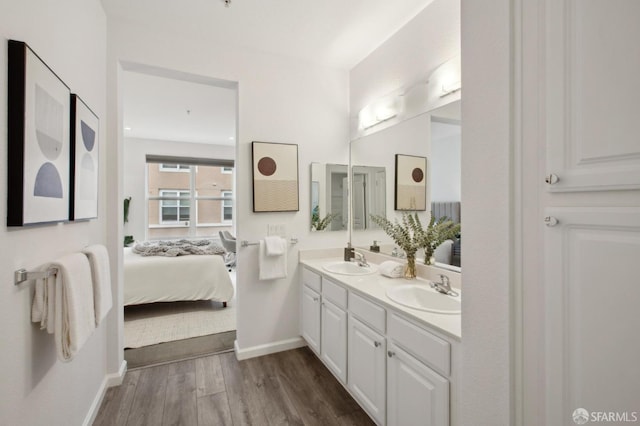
x=287, y=388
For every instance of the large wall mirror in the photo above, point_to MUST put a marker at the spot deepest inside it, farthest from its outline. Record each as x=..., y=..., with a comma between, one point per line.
x=435, y=135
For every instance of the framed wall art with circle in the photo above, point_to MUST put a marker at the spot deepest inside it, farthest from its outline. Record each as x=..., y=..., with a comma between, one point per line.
x=411, y=183
x=275, y=177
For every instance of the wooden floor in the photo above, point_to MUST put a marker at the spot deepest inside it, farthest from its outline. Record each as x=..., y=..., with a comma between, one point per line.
x=287, y=388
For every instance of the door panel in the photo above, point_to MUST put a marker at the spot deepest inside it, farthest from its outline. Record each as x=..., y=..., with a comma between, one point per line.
x=592, y=78
x=592, y=299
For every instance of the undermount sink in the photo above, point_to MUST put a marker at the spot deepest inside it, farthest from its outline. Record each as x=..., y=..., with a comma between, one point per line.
x=349, y=268
x=424, y=298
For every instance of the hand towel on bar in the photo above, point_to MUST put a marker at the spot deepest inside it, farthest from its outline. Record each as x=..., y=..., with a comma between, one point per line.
x=101, y=278
x=391, y=269
x=75, y=318
x=271, y=267
x=275, y=245
x=44, y=298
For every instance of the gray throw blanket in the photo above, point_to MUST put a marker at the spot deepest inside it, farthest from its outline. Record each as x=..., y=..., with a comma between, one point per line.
x=174, y=248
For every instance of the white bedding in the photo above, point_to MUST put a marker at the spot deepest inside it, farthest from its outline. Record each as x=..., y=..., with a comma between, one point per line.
x=149, y=279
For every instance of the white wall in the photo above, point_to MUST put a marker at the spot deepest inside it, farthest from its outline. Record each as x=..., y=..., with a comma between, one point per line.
x=428, y=40
x=486, y=379
x=279, y=100
x=36, y=388
x=135, y=166
x=445, y=162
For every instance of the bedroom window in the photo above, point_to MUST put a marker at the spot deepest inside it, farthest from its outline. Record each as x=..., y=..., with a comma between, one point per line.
x=165, y=167
x=196, y=202
x=174, y=206
x=227, y=206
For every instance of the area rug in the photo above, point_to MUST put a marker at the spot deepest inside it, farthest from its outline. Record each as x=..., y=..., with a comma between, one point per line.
x=154, y=323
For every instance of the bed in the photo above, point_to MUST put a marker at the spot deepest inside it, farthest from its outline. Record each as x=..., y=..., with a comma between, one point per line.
x=149, y=279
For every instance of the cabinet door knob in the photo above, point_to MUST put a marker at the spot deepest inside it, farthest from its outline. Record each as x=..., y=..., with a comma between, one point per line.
x=315, y=299
x=551, y=179
x=550, y=221
x=377, y=344
x=390, y=353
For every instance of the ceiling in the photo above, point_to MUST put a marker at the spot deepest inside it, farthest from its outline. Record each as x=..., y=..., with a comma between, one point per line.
x=334, y=33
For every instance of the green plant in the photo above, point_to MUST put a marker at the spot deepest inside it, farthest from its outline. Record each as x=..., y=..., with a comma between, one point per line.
x=437, y=232
x=127, y=201
x=128, y=239
x=411, y=236
x=406, y=235
x=318, y=224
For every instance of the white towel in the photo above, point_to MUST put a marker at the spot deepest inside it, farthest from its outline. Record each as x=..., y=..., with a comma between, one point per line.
x=63, y=304
x=276, y=246
x=44, y=299
x=391, y=269
x=101, y=278
x=271, y=267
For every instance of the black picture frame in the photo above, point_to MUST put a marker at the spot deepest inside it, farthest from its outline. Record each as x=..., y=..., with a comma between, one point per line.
x=275, y=177
x=38, y=140
x=84, y=160
x=410, y=183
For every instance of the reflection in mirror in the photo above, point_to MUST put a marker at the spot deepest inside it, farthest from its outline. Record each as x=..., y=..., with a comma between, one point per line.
x=369, y=195
x=437, y=136
x=328, y=197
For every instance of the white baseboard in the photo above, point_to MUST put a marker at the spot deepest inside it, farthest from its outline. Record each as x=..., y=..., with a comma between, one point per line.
x=114, y=379
x=269, y=348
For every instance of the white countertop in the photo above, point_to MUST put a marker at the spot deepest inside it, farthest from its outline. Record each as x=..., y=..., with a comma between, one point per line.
x=374, y=286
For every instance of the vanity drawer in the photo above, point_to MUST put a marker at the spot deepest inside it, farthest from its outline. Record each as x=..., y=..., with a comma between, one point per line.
x=334, y=292
x=368, y=312
x=311, y=279
x=424, y=345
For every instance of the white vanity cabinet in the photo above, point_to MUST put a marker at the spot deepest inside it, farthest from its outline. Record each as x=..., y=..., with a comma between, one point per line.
x=397, y=369
x=416, y=395
x=367, y=368
x=334, y=328
x=310, y=309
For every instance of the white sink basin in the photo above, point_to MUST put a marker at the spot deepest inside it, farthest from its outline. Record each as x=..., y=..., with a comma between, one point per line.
x=424, y=298
x=349, y=268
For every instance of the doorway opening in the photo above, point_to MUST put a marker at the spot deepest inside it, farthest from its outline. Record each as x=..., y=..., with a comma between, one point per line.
x=180, y=134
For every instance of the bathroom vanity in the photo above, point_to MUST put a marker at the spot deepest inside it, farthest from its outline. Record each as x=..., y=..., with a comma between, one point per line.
x=399, y=363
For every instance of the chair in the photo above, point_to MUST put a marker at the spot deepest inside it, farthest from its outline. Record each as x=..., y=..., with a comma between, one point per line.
x=229, y=244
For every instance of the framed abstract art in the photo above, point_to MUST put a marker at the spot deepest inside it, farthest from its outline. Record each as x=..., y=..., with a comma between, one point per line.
x=411, y=183
x=85, y=150
x=38, y=140
x=275, y=177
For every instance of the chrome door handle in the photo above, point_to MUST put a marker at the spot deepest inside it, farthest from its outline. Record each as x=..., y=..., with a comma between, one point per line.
x=390, y=354
x=377, y=344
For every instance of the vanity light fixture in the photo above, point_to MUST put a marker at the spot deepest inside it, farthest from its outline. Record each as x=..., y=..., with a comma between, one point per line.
x=379, y=111
x=449, y=89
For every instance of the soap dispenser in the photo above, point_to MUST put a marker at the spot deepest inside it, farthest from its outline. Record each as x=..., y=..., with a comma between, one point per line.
x=375, y=248
x=349, y=253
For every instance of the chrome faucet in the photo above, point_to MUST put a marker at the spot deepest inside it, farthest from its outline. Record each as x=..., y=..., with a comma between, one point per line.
x=359, y=257
x=443, y=286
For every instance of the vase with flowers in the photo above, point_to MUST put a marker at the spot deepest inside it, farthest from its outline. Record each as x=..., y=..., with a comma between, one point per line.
x=406, y=235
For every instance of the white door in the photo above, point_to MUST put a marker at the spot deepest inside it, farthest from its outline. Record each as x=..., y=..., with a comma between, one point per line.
x=580, y=207
x=334, y=339
x=416, y=395
x=310, y=328
x=367, y=368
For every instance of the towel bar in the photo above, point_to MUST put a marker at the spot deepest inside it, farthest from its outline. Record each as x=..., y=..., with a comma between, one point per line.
x=245, y=243
x=22, y=275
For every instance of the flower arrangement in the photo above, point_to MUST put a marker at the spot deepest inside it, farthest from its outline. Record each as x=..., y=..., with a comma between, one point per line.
x=406, y=235
x=410, y=236
x=318, y=224
x=435, y=234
